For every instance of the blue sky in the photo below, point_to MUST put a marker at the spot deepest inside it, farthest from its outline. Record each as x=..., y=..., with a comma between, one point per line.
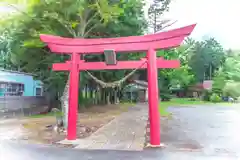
x=214, y=18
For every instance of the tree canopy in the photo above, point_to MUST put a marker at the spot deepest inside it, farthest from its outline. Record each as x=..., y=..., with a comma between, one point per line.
x=21, y=48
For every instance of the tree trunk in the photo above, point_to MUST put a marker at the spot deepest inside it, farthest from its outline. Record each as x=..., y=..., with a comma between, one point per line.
x=52, y=101
x=64, y=103
x=95, y=96
x=102, y=96
x=116, y=98
x=86, y=92
x=210, y=72
x=91, y=94
x=108, y=94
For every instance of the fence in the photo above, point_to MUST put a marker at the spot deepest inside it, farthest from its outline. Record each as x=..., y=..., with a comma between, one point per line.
x=17, y=106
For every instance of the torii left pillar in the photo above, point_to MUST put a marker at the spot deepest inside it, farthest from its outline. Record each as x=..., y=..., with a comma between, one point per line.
x=154, y=117
x=73, y=96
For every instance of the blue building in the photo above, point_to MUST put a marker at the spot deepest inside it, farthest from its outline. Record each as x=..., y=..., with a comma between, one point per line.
x=14, y=83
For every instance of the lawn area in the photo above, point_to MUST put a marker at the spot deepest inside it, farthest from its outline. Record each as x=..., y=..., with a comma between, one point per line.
x=179, y=102
x=123, y=107
x=50, y=114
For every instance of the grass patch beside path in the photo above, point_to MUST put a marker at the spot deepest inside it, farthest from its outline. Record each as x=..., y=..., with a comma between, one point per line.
x=50, y=114
x=41, y=115
x=127, y=104
x=121, y=107
x=181, y=102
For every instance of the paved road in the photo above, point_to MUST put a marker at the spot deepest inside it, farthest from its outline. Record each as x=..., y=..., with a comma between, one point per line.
x=207, y=129
x=210, y=132
x=13, y=151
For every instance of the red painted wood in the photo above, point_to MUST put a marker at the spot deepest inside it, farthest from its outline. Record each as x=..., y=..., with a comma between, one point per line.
x=161, y=40
x=161, y=63
x=61, y=67
x=126, y=47
x=184, y=31
x=73, y=98
x=153, y=98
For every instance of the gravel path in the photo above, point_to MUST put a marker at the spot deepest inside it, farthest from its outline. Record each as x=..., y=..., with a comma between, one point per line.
x=126, y=132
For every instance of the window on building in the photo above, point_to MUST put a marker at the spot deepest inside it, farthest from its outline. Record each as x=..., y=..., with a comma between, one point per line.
x=2, y=89
x=12, y=89
x=38, y=91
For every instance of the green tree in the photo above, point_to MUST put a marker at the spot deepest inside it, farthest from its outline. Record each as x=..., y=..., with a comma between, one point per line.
x=219, y=81
x=155, y=15
x=5, y=50
x=226, y=80
x=232, y=68
x=177, y=77
x=197, y=61
x=80, y=19
x=207, y=57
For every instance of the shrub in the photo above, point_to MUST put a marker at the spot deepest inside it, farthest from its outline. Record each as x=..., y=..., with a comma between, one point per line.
x=215, y=98
x=165, y=97
x=194, y=99
x=206, y=95
x=232, y=89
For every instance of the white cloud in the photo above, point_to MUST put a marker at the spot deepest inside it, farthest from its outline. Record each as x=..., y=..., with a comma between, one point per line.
x=218, y=18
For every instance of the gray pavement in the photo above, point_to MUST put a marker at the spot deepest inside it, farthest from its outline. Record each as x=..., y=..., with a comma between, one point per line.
x=193, y=133
x=206, y=129
x=13, y=151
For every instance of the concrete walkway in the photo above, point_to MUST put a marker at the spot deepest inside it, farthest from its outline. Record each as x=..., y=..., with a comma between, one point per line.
x=126, y=132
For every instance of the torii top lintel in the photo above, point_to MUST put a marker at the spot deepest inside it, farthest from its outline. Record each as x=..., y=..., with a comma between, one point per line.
x=162, y=40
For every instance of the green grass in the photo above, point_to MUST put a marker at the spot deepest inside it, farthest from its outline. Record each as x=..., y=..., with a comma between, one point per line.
x=163, y=111
x=128, y=104
x=41, y=115
x=50, y=114
x=163, y=106
x=180, y=102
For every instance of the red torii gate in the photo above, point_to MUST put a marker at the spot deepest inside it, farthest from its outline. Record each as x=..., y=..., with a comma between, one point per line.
x=149, y=43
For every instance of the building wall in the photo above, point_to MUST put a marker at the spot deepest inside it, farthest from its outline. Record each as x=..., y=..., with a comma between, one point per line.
x=30, y=84
x=37, y=84
x=19, y=102
x=14, y=106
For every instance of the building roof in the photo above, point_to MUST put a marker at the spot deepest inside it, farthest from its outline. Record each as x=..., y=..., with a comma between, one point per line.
x=18, y=72
x=142, y=83
x=8, y=80
x=134, y=87
x=207, y=84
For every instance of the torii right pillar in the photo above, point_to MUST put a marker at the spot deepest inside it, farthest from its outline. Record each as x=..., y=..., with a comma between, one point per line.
x=152, y=73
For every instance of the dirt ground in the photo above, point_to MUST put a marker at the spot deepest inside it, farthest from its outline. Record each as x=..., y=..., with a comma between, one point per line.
x=39, y=130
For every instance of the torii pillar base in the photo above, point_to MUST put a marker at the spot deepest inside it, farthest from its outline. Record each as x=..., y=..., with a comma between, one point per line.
x=155, y=146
